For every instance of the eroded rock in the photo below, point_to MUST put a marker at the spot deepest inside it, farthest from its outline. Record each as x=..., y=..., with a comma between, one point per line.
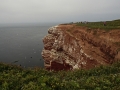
x=68, y=47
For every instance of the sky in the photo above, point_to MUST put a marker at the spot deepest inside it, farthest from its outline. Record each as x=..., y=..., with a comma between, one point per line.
x=47, y=11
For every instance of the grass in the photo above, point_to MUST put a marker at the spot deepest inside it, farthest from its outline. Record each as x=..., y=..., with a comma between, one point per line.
x=101, y=78
x=110, y=25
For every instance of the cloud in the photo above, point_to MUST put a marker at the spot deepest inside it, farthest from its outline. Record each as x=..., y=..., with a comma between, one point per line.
x=16, y=11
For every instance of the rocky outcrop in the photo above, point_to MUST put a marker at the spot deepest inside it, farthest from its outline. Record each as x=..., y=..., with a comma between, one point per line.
x=69, y=47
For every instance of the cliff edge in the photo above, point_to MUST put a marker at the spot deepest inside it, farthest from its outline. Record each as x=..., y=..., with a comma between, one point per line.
x=68, y=47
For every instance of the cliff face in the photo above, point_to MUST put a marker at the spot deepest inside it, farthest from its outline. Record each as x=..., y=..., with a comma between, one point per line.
x=69, y=47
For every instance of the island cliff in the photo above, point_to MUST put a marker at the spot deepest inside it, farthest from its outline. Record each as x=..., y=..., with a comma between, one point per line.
x=68, y=47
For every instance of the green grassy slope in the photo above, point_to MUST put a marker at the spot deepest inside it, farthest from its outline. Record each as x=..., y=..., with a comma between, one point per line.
x=115, y=24
x=101, y=78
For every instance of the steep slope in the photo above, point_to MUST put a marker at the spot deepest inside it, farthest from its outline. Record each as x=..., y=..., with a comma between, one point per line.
x=69, y=47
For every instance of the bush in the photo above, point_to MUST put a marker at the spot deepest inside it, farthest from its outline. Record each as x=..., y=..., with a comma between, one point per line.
x=100, y=78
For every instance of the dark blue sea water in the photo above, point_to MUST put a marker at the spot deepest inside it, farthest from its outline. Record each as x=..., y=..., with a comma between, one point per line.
x=22, y=45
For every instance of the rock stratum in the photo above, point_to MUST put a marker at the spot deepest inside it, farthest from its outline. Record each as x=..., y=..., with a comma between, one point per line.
x=69, y=47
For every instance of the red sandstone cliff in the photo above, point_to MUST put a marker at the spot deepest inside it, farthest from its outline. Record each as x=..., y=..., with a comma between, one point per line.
x=71, y=47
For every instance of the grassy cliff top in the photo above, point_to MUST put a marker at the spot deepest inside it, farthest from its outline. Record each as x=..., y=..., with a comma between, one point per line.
x=105, y=25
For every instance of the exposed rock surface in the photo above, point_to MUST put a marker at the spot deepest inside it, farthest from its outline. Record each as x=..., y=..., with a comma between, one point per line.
x=69, y=47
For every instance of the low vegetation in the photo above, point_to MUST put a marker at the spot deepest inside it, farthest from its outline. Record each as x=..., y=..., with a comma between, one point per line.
x=101, y=78
x=107, y=25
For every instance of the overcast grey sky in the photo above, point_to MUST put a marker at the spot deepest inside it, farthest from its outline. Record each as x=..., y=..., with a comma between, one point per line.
x=34, y=11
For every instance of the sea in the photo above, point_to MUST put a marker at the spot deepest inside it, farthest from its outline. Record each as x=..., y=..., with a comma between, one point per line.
x=22, y=44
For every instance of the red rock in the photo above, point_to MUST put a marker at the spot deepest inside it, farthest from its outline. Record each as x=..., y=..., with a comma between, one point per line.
x=69, y=47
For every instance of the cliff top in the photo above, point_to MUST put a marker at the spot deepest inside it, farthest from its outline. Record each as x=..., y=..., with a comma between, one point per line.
x=104, y=25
